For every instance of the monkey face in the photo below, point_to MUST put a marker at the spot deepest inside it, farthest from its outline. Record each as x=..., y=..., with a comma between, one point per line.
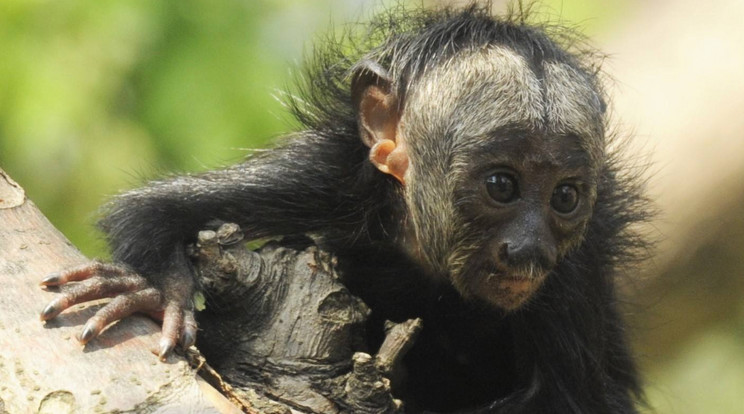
x=503, y=167
x=528, y=198
x=498, y=162
x=519, y=201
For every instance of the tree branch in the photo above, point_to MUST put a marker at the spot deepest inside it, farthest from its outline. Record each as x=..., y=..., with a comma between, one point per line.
x=41, y=364
x=281, y=334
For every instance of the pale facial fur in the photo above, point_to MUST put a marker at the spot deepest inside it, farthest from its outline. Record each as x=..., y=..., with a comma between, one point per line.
x=506, y=92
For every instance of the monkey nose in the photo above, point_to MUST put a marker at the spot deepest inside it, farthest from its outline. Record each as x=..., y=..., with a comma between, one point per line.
x=528, y=254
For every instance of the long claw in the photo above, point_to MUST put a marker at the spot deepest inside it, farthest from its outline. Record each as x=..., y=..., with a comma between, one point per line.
x=166, y=347
x=89, y=332
x=51, y=310
x=188, y=335
x=188, y=339
x=53, y=279
x=93, y=327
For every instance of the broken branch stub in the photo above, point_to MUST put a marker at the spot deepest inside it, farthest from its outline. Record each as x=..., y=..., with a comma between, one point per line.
x=283, y=331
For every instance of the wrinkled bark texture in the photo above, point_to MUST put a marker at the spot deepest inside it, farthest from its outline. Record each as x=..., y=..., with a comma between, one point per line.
x=279, y=322
x=280, y=333
x=44, y=369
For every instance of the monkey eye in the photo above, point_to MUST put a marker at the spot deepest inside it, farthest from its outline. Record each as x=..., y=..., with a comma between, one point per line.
x=565, y=198
x=502, y=187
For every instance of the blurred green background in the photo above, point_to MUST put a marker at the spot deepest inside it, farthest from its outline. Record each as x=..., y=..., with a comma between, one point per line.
x=96, y=97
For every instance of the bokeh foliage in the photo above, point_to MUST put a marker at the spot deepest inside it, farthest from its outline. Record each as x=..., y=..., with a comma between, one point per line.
x=96, y=97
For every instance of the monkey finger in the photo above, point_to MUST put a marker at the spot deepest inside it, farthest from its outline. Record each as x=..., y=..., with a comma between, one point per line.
x=84, y=272
x=92, y=289
x=119, y=308
x=172, y=324
x=188, y=334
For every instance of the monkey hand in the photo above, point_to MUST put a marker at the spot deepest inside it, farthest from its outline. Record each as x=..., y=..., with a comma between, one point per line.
x=170, y=302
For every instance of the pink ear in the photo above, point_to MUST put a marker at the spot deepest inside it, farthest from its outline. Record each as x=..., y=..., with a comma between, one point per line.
x=378, y=117
x=390, y=157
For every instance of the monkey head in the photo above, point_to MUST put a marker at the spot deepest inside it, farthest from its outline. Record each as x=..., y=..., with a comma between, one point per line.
x=498, y=154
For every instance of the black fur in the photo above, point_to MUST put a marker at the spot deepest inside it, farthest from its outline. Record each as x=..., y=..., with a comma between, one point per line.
x=564, y=352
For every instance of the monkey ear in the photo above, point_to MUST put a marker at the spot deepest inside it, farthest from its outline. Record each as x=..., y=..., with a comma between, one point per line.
x=377, y=111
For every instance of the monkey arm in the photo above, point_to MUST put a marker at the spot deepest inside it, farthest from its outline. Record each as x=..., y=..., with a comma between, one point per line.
x=149, y=228
x=301, y=187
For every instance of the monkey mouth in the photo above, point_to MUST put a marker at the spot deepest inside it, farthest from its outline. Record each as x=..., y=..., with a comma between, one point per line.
x=526, y=274
x=515, y=281
x=507, y=290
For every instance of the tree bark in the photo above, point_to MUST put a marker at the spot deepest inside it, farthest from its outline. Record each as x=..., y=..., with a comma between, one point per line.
x=44, y=369
x=281, y=334
x=284, y=331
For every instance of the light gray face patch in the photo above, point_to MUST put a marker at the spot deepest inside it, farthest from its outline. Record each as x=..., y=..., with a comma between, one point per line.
x=473, y=93
x=457, y=105
x=573, y=107
x=479, y=91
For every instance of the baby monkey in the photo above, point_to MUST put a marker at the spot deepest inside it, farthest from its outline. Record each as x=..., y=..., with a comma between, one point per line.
x=458, y=165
